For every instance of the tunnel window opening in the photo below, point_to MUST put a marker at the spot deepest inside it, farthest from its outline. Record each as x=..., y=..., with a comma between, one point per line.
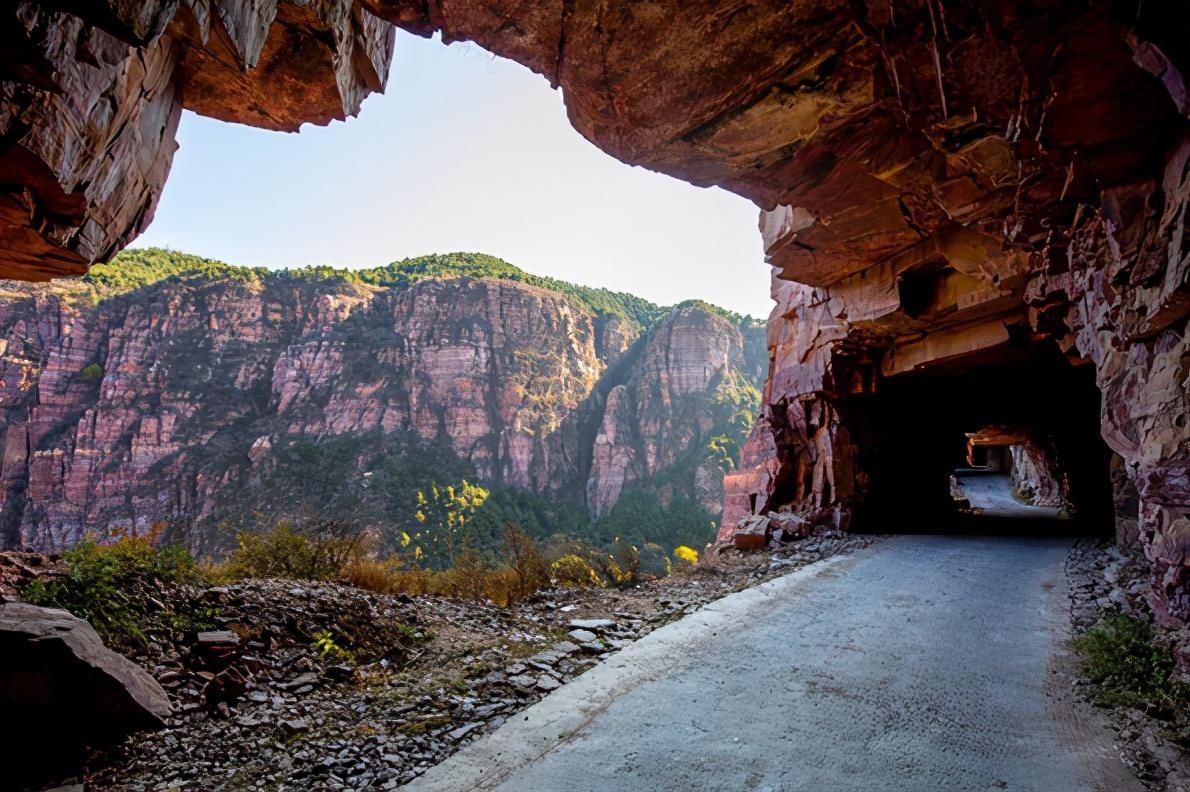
x=1012, y=473
x=917, y=289
x=1006, y=444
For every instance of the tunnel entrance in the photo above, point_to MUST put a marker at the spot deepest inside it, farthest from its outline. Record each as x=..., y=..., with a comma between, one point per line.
x=996, y=443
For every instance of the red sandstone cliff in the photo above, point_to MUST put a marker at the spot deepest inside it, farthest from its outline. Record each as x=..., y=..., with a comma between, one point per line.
x=946, y=189
x=192, y=399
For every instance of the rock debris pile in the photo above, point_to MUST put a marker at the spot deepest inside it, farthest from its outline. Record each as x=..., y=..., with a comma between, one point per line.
x=261, y=701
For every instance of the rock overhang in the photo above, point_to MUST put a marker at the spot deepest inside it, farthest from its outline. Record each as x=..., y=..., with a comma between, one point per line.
x=946, y=178
x=875, y=126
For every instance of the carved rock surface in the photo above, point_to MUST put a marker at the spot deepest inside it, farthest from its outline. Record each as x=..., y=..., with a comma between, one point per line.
x=63, y=692
x=1033, y=479
x=951, y=180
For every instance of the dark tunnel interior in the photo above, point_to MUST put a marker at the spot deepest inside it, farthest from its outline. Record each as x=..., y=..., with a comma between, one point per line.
x=913, y=435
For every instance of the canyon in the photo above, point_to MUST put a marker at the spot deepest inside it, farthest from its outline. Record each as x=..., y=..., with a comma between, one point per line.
x=975, y=209
x=178, y=396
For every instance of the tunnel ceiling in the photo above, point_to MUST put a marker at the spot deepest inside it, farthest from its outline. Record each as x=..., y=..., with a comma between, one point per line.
x=877, y=124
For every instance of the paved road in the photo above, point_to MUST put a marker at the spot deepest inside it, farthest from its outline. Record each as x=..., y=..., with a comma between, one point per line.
x=992, y=495
x=921, y=663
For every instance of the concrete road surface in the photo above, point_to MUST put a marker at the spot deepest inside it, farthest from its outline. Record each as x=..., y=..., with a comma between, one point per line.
x=992, y=495
x=921, y=663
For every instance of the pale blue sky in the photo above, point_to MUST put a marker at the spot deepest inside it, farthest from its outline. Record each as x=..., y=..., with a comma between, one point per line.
x=464, y=151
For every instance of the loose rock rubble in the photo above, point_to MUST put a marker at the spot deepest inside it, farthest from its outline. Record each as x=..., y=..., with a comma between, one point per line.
x=776, y=529
x=18, y=570
x=259, y=705
x=1103, y=577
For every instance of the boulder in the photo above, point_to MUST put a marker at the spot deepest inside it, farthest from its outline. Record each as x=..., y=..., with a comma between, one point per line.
x=64, y=694
x=582, y=636
x=598, y=625
x=792, y=526
x=751, y=533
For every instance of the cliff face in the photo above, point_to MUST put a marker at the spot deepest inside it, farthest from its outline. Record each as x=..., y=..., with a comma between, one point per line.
x=946, y=190
x=198, y=398
x=682, y=394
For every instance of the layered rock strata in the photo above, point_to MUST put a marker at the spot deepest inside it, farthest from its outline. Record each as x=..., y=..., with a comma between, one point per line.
x=943, y=183
x=174, y=403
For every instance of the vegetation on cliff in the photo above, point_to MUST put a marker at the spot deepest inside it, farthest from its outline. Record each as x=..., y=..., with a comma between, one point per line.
x=136, y=268
x=139, y=267
x=259, y=398
x=480, y=265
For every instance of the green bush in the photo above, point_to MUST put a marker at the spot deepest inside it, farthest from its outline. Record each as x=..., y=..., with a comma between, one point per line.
x=317, y=551
x=92, y=372
x=574, y=571
x=1129, y=667
x=623, y=566
x=324, y=642
x=102, y=580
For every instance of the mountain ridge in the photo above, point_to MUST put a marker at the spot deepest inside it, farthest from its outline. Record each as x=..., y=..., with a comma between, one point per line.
x=139, y=267
x=204, y=397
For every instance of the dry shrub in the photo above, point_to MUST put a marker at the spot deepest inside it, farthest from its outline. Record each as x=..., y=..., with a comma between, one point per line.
x=523, y=574
x=530, y=571
x=503, y=587
x=317, y=551
x=573, y=571
x=466, y=579
x=370, y=574
x=413, y=581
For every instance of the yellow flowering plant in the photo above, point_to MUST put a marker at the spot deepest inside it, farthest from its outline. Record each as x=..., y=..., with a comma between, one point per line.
x=447, y=510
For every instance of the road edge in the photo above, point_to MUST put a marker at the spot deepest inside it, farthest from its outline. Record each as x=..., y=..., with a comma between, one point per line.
x=559, y=717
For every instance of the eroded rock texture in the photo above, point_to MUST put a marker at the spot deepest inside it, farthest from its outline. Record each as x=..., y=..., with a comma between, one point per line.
x=91, y=93
x=946, y=185
x=1034, y=476
x=1043, y=208
x=198, y=399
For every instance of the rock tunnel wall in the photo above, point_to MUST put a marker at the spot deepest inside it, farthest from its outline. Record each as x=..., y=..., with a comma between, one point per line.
x=941, y=180
x=1036, y=475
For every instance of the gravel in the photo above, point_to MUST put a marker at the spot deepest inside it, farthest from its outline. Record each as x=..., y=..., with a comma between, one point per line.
x=260, y=706
x=1104, y=577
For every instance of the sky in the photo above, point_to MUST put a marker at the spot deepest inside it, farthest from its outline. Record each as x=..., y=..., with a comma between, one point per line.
x=463, y=152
